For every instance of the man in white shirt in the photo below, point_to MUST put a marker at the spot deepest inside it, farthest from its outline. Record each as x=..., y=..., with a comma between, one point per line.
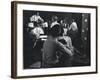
x=73, y=33
x=37, y=31
x=36, y=18
x=54, y=21
x=73, y=26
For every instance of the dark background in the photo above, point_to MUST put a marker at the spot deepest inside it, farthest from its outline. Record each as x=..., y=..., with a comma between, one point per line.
x=83, y=43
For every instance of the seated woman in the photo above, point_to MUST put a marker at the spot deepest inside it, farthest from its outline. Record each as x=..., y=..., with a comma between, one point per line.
x=66, y=40
x=65, y=60
x=51, y=47
x=77, y=58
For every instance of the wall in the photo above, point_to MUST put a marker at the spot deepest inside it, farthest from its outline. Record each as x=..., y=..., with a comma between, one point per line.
x=5, y=40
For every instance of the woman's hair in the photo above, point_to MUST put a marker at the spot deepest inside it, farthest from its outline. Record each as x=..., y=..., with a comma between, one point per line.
x=55, y=31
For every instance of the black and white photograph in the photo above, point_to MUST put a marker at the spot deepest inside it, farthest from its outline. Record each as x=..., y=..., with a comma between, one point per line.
x=53, y=39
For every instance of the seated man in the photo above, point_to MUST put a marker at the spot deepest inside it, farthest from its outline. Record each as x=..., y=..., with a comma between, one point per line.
x=51, y=47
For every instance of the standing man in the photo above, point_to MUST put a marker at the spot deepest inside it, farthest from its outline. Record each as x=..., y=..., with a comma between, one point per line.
x=73, y=26
x=54, y=21
x=73, y=32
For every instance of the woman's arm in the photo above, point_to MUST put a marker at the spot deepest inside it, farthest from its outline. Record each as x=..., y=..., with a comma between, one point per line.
x=63, y=49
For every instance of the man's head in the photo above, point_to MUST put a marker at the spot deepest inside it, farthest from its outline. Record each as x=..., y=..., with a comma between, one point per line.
x=54, y=18
x=55, y=31
x=37, y=13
